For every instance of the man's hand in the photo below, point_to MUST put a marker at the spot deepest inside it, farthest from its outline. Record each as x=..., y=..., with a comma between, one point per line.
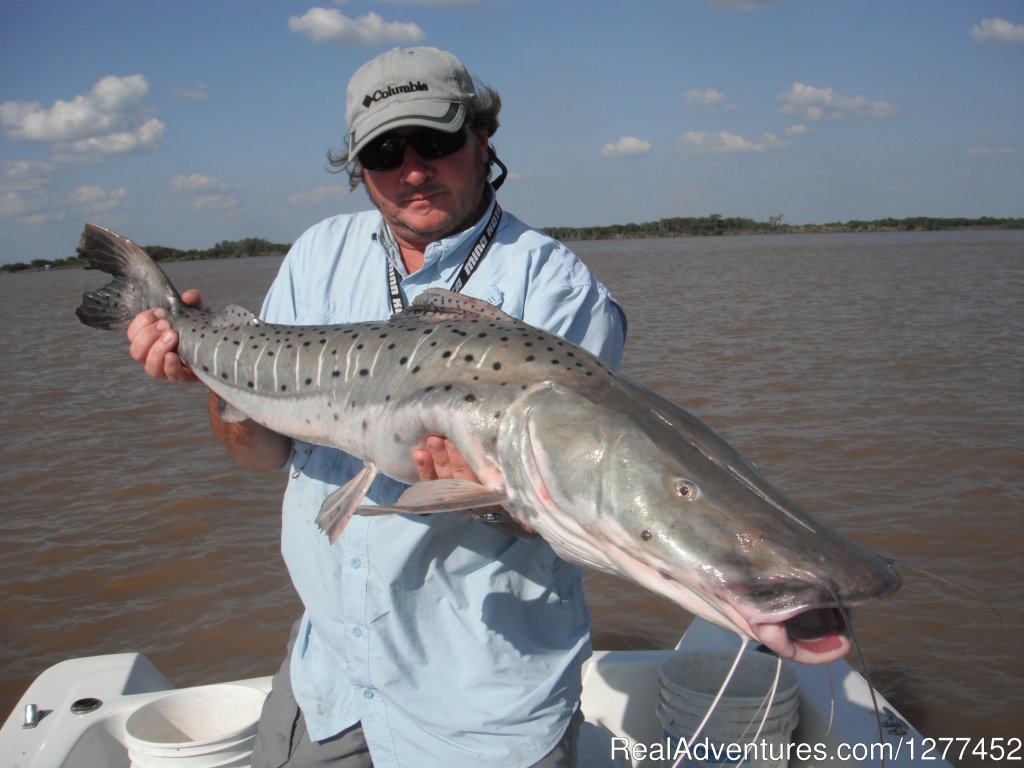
x=441, y=460
x=154, y=344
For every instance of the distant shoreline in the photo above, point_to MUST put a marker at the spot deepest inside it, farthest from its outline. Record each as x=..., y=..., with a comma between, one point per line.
x=716, y=225
x=705, y=226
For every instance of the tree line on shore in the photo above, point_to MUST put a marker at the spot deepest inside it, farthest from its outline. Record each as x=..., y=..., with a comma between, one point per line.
x=678, y=226
x=226, y=249
x=719, y=225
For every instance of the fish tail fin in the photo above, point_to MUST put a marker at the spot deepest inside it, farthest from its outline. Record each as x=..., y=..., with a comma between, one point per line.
x=138, y=282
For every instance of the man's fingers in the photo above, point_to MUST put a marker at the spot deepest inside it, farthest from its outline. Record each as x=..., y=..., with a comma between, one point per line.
x=457, y=463
x=192, y=298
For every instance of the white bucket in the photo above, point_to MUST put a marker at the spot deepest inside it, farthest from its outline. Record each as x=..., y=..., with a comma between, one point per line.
x=689, y=683
x=212, y=726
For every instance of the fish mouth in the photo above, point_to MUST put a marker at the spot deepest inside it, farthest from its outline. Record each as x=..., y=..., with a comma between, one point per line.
x=813, y=636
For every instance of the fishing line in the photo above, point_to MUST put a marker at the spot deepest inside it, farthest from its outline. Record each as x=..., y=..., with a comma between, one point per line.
x=943, y=580
x=864, y=665
x=744, y=642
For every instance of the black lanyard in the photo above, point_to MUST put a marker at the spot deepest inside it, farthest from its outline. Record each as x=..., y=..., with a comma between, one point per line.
x=476, y=255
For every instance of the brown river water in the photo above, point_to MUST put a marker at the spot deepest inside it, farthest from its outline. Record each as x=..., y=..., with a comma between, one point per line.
x=877, y=379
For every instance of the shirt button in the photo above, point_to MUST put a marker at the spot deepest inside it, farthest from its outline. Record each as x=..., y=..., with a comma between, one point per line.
x=356, y=562
x=356, y=631
x=367, y=693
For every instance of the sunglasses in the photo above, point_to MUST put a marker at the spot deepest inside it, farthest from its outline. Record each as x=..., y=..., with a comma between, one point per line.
x=388, y=152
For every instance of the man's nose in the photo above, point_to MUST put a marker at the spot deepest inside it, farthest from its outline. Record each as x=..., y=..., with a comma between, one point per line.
x=414, y=169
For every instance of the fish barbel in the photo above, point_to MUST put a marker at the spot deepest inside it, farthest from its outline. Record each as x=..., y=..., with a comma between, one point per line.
x=610, y=474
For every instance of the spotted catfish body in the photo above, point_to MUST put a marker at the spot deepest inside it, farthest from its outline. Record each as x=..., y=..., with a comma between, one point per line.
x=609, y=473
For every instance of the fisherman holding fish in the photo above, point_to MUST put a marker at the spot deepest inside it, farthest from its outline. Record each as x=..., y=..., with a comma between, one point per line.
x=433, y=640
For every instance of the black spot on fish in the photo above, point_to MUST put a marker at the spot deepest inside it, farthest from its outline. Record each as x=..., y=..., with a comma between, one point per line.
x=223, y=375
x=530, y=358
x=364, y=371
x=428, y=389
x=308, y=382
x=416, y=369
x=251, y=385
x=496, y=366
x=335, y=374
x=305, y=343
x=555, y=361
x=403, y=360
x=284, y=387
x=470, y=398
x=468, y=358
x=446, y=354
x=270, y=353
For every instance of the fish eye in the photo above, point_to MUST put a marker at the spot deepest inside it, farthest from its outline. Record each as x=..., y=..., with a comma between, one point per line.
x=686, y=489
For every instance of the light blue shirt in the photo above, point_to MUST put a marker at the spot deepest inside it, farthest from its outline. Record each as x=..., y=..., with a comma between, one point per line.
x=454, y=643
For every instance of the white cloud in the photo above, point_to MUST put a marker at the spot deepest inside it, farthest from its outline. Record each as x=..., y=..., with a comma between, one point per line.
x=336, y=192
x=723, y=142
x=798, y=130
x=95, y=199
x=709, y=99
x=142, y=138
x=626, y=146
x=985, y=151
x=24, y=187
x=112, y=118
x=328, y=25
x=197, y=92
x=998, y=30
x=215, y=203
x=208, y=193
x=196, y=182
x=110, y=102
x=814, y=104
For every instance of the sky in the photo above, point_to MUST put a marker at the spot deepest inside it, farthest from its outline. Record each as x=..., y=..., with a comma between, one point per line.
x=190, y=122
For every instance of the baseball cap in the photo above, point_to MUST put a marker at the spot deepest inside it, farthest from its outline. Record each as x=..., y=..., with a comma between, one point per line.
x=406, y=86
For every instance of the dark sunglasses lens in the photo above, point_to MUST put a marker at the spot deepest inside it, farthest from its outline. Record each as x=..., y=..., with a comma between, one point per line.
x=383, y=154
x=431, y=145
x=387, y=152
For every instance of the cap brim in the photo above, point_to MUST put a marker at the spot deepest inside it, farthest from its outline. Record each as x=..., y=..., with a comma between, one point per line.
x=441, y=115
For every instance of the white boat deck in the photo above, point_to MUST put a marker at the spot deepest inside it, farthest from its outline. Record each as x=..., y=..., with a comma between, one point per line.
x=620, y=690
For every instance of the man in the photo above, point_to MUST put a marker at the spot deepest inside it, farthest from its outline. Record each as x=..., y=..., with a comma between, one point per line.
x=432, y=640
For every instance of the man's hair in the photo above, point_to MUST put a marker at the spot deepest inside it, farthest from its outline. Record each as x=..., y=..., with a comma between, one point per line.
x=481, y=112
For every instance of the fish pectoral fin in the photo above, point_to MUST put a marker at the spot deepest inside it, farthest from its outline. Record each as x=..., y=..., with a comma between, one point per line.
x=339, y=507
x=229, y=414
x=432, y=496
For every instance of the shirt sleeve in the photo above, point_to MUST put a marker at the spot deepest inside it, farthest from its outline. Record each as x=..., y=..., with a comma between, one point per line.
x=566, y=299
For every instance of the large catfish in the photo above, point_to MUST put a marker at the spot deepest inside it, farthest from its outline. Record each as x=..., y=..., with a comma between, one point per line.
x=609, y=473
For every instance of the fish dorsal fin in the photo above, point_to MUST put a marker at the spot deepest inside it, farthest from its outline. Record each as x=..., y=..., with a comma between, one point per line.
x=442, y=304
x=234, y=315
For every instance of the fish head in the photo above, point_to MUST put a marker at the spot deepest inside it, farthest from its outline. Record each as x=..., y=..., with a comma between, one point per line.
x=637, y=487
